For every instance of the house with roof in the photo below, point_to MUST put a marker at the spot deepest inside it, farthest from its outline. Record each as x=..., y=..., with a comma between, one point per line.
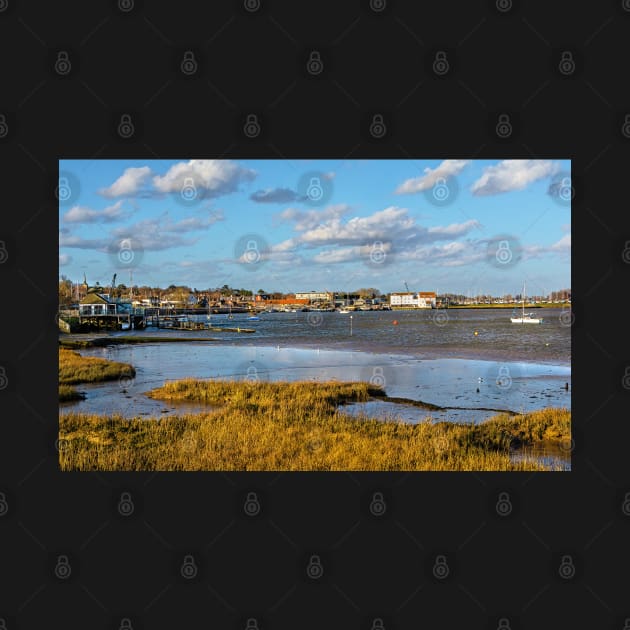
x=101, y=304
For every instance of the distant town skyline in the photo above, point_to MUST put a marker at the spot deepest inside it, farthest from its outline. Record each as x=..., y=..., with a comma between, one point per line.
x=455, y=226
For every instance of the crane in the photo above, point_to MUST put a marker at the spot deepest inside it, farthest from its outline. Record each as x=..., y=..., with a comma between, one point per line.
x=406, y=286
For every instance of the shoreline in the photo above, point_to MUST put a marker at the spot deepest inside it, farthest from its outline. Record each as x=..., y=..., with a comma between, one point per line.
x=424, y=355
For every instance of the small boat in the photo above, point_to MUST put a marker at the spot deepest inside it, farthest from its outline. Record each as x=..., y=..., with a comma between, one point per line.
x=526, y=318
x=125, y=326
x=344, y=310
x=253, y=318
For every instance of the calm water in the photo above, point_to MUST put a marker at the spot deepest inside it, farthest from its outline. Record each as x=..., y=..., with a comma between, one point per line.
x=422, y=333
x=413, y=354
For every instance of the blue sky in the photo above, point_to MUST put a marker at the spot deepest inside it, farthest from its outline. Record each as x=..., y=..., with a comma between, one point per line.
x=299, y=225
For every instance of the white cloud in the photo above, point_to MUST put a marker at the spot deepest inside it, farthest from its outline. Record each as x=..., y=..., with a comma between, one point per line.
x=511, y=175
x=64, y=259
x=563, y=245
x=340, y=241
x=448, y=168
x=308, y=219
x=154, y=234
x=83, y=214
x=211, y=178
x=454, y=229
x=128, y=184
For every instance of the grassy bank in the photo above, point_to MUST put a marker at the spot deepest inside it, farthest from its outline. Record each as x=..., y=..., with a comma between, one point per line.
x=295, y=426
x=75, y=369
x=97, y=342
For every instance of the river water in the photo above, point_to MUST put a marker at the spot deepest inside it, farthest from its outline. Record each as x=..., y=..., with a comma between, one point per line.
x=410, y=353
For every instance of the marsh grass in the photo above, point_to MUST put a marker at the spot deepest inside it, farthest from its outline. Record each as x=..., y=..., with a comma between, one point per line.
x=74, y=369
x=293, y=426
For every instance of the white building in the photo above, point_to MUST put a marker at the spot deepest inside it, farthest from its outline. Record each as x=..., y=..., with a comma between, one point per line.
x=314, y=296
x=422, y=299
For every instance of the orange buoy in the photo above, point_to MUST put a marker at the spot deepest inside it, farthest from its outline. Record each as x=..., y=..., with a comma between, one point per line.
x=395, y=322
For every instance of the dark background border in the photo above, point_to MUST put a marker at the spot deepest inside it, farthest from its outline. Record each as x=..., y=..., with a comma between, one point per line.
x=378, y=57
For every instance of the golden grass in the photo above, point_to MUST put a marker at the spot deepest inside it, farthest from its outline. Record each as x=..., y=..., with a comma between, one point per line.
x=293, y=426
x=67, y=392
x=74, y=369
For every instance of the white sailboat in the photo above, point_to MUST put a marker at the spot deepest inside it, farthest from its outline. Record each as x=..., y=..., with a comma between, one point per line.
x=526, y=318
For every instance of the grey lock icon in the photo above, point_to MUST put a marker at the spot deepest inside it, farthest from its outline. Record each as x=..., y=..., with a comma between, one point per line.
x=440, y=63
x=625, y=128
x=62, y=64
x=503, y=128
x=314, y=569
x=125, y=624
x=4, y=506
x=504, y=624
x=378, y=624
x=504, y=504
x=125, y=504
x=4, y=128
x=252, y=127
x=315, y=191
x=251, y=255
x=188, y=568
x=625, y=255
x=4, y=379
x=440, y=189
x=126, y=128
x=378, y=254
x=4, y=254
x=62, y=568
x=378, y=378
x=189, y=191
x=625, y=506
x=126, y=5
x=314, y=65
x=3, y=623
x=251, y=5
x=440, y=568
x=565, y=191
x=189, y=63
x=626, y=379
x=503, y=253
x=63, y=191
x=566, y=570
x=251, y=624
x=125, y=252
x=567, y=63
x=378, y=506
x=504, y=380
x=377, y=126
x=252, y=504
